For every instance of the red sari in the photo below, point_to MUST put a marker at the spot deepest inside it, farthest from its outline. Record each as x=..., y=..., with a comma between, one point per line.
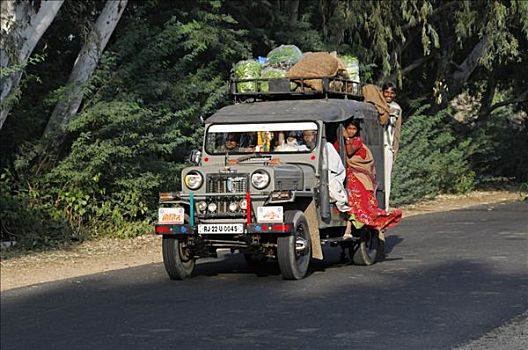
x=361, y=186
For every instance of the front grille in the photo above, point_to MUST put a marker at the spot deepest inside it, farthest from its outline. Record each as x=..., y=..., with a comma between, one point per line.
x=227, y=183
x=228, y=188
x=222, y=208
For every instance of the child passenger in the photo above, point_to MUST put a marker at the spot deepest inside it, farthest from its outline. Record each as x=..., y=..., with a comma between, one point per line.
x=290, y=144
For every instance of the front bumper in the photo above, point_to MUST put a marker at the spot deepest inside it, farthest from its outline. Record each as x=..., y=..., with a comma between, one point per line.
x=249, y=229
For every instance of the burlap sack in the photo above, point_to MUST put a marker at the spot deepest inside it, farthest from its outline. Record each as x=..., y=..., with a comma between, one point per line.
x=373, y=94
x=315, y=64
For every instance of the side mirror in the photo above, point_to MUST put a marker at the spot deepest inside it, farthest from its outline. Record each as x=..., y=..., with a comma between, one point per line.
x=195, y=157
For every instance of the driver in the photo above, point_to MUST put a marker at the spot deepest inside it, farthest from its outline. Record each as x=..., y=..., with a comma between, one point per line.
x=231, y=143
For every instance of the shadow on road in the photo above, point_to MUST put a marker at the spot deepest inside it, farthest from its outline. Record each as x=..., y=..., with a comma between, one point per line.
x=392, y=241
x=462, y=276
x=378, y=307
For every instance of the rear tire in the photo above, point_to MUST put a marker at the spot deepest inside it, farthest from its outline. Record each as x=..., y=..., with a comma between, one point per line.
x=178, y=260
x=364, y=253
x=295, y=251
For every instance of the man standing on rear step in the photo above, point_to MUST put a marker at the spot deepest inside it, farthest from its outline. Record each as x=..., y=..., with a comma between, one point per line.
x=391, y=135
x=391, y=142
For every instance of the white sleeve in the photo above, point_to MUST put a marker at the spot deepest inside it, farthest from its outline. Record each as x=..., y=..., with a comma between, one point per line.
x=335, y=165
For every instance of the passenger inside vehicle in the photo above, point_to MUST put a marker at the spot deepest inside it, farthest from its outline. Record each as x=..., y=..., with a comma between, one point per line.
x=231, y=143
x=290, y=144
x=309, y=140
x=336, y=178
x=248, y=142
x=219, y=140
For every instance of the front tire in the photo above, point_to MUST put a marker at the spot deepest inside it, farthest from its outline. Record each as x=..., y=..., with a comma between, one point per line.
x=365, y=252
x=295, y=251
x=178, y=259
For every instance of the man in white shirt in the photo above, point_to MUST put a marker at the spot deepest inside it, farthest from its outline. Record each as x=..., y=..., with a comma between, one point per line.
x=391, y=136
x=336, y=170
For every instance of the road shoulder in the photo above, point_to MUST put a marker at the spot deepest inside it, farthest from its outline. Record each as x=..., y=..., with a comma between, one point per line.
x=114, y=254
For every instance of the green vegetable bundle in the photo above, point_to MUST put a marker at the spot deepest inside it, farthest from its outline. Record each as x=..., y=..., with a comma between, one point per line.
x=284, y=56
x=271, y=73
x=248, y=69
x=351, y=66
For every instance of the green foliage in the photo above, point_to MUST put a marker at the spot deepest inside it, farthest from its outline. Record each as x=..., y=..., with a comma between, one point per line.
x=431, y=159
x=504, y=141
x=270, y=25
x=167, y=65
x=26, y=220
x=7, y=71
x=12, y=99
x=117, y=164
x=138, y=124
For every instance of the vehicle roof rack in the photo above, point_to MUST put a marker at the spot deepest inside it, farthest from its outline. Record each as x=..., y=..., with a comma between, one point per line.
x=243, y=90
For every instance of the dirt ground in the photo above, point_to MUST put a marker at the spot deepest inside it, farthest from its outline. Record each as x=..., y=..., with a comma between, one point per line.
x=18, y=270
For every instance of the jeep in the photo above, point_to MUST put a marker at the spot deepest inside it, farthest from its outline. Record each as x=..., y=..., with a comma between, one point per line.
x=260, y=188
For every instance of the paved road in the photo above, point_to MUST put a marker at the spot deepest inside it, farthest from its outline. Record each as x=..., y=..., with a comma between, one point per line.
x=449, y=279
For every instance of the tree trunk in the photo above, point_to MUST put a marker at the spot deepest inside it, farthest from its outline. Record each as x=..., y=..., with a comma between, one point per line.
x=459, y=77
x=22, y=26
x=293, y=11
x=484, y=114
x=327, y=10
x=85, y=65
x=487, y=98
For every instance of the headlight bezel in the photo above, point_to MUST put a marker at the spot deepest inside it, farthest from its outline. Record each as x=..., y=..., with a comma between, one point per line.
x=193, y=175
x=263, y=175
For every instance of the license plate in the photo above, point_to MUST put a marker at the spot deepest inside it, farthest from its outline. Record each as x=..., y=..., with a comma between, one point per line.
x=221, y=228
x=270, y=214
x=171, y=215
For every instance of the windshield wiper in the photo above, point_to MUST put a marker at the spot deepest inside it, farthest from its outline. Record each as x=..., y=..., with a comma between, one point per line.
x=241, y=159
x=248, y=157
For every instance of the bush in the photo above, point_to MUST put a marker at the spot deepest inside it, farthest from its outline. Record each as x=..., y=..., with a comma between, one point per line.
x=140, y=117
x=123, y=156
x=504, y=147
x=25, y=219
x=432, y=159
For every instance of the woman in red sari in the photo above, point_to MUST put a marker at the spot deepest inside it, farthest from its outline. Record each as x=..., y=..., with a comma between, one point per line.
x=361, y=186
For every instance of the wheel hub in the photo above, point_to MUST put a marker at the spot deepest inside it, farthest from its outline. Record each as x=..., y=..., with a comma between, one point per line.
x=301, y=245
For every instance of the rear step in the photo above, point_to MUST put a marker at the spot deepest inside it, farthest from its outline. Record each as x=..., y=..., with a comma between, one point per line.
x=335, y=241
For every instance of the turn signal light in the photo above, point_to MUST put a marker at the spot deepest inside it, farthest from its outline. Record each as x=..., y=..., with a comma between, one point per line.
x=281, y=195
x=162, y=229
x=166, y=196
x=280, y=227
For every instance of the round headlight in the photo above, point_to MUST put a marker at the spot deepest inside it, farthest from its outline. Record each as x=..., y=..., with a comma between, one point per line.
x=212, y=207
x=233, y=206
x=193, y=180
x=243, y=204
x=260, y=179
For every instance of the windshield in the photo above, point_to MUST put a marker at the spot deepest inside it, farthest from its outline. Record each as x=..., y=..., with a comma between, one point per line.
x=298, y=137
